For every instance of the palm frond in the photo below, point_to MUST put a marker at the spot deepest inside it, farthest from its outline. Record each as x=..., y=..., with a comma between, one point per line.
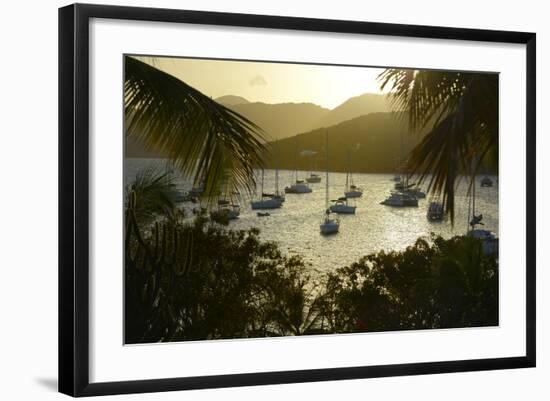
x=204, y=140
x=460, y=112
x=151, y=194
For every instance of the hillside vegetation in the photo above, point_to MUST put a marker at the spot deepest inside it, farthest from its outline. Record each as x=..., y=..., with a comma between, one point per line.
x=375, y=143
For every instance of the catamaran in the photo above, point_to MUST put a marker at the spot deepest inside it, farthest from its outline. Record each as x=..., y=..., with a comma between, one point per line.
x=328, y=225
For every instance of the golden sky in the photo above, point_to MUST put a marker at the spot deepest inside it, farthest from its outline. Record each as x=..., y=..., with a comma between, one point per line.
x=327, y=86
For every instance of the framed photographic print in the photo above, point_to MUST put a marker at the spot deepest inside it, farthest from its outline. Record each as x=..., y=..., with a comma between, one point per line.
x=249, y=199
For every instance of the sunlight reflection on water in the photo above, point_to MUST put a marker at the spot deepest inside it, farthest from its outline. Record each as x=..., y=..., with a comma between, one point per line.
x=295, y=226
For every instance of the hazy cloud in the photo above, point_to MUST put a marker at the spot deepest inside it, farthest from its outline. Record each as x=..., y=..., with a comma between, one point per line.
x=258, y=80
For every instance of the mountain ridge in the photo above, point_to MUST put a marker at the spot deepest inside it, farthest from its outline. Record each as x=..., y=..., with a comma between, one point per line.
x=231, y=100
x=375, y=143
x=281, y=120
x=284, y=120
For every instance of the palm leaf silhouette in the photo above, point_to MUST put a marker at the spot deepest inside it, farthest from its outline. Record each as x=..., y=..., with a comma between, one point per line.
x=205, y=140
x=460, y=112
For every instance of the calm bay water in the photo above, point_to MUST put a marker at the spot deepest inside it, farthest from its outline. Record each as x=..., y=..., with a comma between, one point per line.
x=295, y=226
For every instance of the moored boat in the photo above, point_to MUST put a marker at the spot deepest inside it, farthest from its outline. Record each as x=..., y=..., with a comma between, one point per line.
x=400, y=199
x=266, y=201
x=341, y=206
x=299, y=187
x=489, y=240
x=328, y=225
x=313, y=178
x=486, y=182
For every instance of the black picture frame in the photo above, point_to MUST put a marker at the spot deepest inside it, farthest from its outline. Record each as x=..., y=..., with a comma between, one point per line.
x=74, y=200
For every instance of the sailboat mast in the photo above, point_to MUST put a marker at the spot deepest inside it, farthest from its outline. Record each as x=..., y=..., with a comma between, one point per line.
x=296, y=160
x=472, y=202
x=348, y=172
x=326, y=174
x=474, y=193
x=276, y=175
x=262, y=193
x=277, y=181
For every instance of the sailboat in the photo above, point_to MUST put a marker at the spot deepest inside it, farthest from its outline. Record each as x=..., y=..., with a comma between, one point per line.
x=397, y=176
x=313, y=178
x=400, y=199
x=351, y=191
x=416, y=192
x=403, y=195
x=341, y=206
x=227, y=209
x=486, y=181
x=266, y=201
x=299, y=186
x=488, y=239
x=278, y=196
x=328, y=225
